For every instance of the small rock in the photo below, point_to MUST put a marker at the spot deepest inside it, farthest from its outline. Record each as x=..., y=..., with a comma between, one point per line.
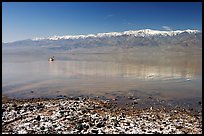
x=73, y=109
x=86, y=126
x=91, y=124
x=71, y=97
x=76, y=98
x=109, y=126
x=79, y=127
x=61, y=108
x=122, y=114
x=55, y=126
x=191, y=109
x=135, y=102
x=31, y=108
x=100, y=124
x=95, y=131
x=84, y=111
x=199, y=103
x=129, y=97
x=42, y=128
x=179, y=127
x=61, y=112
x=128, y=123
x=134, y=98
x=40, y=106
x=38, y=118
x=161, y=128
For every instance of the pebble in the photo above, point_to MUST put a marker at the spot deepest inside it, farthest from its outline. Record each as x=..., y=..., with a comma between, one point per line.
x=84, y=116
x=200, y=103
x=38, y=118
x=135, y=102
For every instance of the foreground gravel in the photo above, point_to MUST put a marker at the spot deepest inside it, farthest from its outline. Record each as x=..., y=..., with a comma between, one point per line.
x=88, y=116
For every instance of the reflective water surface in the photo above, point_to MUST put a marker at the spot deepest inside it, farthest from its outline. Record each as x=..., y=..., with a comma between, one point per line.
x=165, y=75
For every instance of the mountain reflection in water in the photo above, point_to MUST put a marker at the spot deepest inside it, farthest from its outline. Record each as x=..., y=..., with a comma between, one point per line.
x=168, y=75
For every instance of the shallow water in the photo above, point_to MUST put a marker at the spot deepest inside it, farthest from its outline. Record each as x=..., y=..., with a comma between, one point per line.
x=162, y=73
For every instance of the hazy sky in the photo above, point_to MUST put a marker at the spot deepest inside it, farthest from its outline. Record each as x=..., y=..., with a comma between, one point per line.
x=25, y=20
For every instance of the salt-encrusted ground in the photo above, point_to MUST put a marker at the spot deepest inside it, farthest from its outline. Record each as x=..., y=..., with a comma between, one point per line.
x=85, y=115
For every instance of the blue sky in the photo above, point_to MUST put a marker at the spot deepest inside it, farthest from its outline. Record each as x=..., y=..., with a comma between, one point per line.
x=25, y=20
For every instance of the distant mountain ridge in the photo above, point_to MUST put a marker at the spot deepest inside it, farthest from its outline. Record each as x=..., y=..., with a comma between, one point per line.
x=136, y=33
x=145, y=37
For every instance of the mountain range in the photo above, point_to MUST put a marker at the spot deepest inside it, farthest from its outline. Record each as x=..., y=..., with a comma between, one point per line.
x=145, y=37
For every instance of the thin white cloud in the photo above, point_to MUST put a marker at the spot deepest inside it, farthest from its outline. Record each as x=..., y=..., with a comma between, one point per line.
x=129, y=23
x=109, y=16
x=125, y=22
x=167, y=28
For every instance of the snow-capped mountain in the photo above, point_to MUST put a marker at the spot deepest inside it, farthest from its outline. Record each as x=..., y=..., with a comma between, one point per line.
x=146, y=37
x=136, y=33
